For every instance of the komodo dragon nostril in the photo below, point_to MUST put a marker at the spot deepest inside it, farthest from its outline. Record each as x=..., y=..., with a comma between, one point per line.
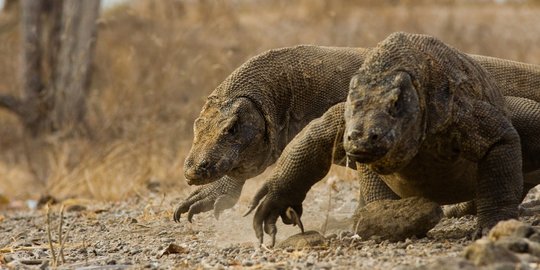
x=353, y=135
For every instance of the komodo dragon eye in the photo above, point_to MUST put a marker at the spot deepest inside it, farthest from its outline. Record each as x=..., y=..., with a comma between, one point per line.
x=232, y=129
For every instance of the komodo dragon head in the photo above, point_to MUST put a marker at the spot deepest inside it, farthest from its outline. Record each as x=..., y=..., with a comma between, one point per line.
x=383, y=121
x=399, y=94
x=229, y=139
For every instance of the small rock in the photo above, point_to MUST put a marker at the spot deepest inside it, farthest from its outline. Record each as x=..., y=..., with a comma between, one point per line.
x=323, y=265
x=344, y=234
x=535, y=237
x=510, y=227
x=450, y=228
x=7, y=258
x=397, y=220
x=247, y=263
x=529, y=259
x=484, y=252
x=519, y=245
x=303, y=240
x=132, y=220
x=444, y=264
x=507, y=266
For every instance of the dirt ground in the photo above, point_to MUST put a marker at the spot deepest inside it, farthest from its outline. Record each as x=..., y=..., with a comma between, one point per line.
x=139, y=232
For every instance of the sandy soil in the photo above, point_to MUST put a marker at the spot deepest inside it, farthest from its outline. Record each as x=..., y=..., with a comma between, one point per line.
x=137, y=233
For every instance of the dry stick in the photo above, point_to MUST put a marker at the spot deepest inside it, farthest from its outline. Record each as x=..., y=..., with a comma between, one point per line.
x=60, y=240
x=325, y=225
x=53, y=253
x=85, y=251
x=63, y=244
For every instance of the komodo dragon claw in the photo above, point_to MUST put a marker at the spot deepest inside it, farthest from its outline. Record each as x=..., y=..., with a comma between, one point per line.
x=256, y=199
x=295, y=218
x=219, y=196
x=273, y=206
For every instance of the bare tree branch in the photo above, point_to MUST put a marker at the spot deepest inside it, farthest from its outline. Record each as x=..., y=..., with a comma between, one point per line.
x=11, y=103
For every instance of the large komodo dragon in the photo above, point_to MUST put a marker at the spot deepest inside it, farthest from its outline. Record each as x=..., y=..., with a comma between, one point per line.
x=421, y=119
x=250, y=117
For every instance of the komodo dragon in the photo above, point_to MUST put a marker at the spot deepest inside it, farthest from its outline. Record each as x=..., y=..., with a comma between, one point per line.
x=251, y=116
x=424, y=120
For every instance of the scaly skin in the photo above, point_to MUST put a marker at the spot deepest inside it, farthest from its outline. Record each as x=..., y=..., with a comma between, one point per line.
x=303, y=81
x=432, y=152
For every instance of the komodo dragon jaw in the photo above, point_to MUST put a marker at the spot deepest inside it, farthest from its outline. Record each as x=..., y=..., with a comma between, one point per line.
x=228, y=140
x=383, y=121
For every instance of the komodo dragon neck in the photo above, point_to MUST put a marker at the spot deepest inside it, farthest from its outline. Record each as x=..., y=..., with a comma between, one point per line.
x=292, y=86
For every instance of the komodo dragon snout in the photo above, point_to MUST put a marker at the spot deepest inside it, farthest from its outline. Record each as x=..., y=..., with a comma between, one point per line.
x=384, y=120
x=228, y=140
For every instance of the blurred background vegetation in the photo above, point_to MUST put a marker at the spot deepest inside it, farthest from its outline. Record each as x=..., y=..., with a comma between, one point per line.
x=156, y=61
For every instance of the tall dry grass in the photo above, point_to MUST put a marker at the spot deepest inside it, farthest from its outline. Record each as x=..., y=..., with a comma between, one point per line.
x=156, y=61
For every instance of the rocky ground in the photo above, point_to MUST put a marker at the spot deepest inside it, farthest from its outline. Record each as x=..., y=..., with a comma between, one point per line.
x=139, y=233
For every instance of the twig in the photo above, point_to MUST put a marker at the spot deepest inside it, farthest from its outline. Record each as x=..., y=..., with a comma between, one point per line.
x=162, y=201
x=325, y=225
x=334, y=148
x=63, y=244
x=49, y=235
x=85, y=250
x=60, y=239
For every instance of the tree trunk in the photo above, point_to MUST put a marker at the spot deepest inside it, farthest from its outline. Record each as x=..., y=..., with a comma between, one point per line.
x=73, y=66
x=58, y=40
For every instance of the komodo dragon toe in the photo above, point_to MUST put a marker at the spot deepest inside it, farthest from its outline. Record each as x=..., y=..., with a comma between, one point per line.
x=219, y=196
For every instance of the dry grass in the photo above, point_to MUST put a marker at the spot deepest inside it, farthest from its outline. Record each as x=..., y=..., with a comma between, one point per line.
x=157, y=60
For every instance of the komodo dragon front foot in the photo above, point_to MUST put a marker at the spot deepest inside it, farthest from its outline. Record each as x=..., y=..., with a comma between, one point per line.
x=219, y=196
x=277, y=202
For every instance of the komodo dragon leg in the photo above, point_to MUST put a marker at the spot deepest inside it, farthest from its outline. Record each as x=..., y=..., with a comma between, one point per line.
x=525, y=116
x=307, y=158
x=313, y=149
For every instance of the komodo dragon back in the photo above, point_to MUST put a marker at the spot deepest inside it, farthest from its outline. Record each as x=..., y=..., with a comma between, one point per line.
x=515, y=79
